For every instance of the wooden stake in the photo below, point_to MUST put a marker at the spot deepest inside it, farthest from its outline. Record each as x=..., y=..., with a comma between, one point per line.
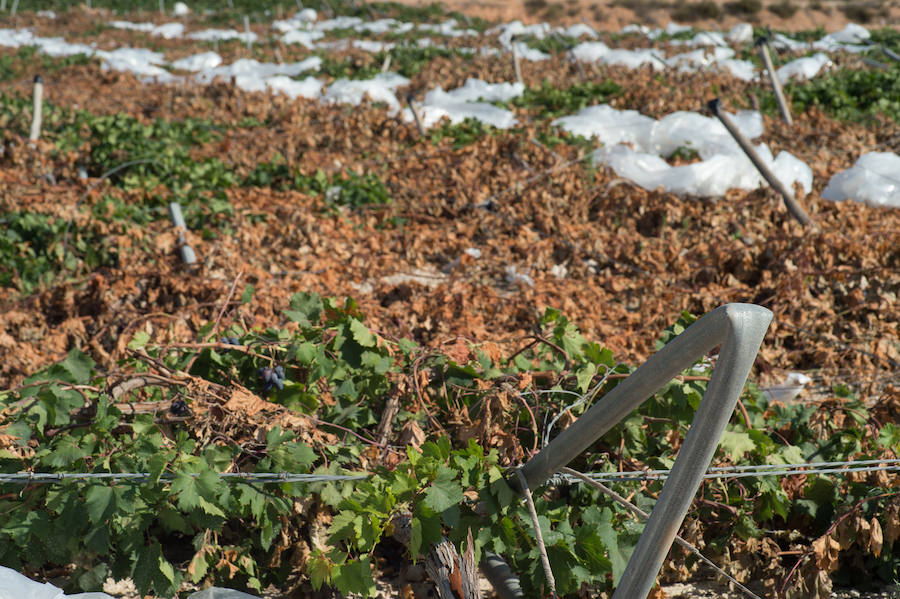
x=453, y=575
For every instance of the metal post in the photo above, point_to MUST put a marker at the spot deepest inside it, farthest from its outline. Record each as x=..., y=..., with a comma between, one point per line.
x=890, y=53
x=739, y=329
x=793, y=206
x=187, y=252
x=37, y=99
x=501, y=576
x=762, y=45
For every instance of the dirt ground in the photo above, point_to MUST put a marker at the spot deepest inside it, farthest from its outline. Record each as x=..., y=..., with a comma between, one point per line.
x=613, y=15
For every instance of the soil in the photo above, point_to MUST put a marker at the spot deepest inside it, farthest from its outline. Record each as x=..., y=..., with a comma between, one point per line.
x=613, y=15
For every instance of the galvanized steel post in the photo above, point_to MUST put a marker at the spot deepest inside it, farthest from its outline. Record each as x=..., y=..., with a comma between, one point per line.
x=739, y=329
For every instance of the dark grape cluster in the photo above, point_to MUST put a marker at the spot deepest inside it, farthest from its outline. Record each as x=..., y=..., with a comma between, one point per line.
x=179, y=407
x=230, y=340
x=272, y=377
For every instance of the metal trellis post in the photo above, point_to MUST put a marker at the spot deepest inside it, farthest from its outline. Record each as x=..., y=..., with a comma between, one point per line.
x=739, y=329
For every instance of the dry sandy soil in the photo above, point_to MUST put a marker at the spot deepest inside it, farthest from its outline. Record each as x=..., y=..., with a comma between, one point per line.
x=612, y=15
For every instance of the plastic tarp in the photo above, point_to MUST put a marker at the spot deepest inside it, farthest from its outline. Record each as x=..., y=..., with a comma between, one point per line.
x=692, y=130
x=307, y=88
x=527, y=53
x=633, y=59
x=710, y=177
x=198, y=62
x=722, y=166
x=380, y=88
x=742, y=33
x=803, y=68
x=874, y=179
x=303, y=37
x=18, y=586
x=248, y=70
x=211, y=35
x=463, y=102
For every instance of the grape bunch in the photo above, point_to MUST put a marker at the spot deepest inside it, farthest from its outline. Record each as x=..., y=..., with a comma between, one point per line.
x=230, y=340
x=272, y=377
x=179, y=407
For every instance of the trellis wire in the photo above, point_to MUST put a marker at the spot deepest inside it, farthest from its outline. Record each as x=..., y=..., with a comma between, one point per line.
x=757, y=470
x=256, y=477
x=640, y=475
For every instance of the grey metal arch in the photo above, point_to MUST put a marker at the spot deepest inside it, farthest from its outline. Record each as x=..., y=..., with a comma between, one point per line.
x=739, y=329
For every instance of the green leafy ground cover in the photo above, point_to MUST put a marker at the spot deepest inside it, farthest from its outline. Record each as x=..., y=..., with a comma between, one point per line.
x=194, y=526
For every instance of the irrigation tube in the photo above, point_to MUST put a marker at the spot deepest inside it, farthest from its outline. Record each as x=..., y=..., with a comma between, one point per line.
x=739, y=329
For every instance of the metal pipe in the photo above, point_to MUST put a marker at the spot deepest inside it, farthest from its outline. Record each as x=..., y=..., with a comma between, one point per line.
x=890, y=53
x=739, y=329
x=187, y=252
x=792, y=205
x=501, y=576
x=762, y=46
x=743, y=327
x=37, y=101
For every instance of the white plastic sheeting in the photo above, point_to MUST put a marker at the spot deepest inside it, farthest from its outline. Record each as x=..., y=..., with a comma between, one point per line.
x=463, y=102
x=710, y=177
x=381, y=88
x=803, y=68
x=742, y=33
x=723, y=165
x=213, y=35
x=787, y=391
x=252, y=75
x=203, y=61
x=874, y=179
x=704, y=134
x=303, y=37
x=17, y=586
x=140, y=61
x=632, y=59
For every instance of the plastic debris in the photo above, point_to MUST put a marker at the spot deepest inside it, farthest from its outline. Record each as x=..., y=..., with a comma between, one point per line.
x=723, y=166
x=302, y=37
x=680, y=129
x=464, y=102
x=211, y=35
x=514, y=277
x=741, y=33
x=874, y=179
x=803, y=68
x=198, y=62
x=789, y=389
x=380, y=88
x=18, y=586
x=181, y=9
